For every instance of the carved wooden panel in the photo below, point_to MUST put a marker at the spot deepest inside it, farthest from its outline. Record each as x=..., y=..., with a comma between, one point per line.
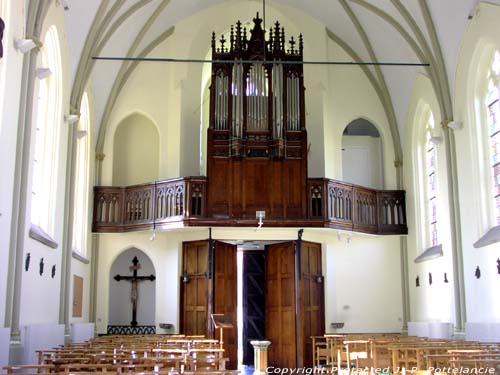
x=139, y=201
x=225, y=297
x=365, y=213
x=280, y=304
x=194, y=289
x=290, y=200
x=312, y=289
x=219, y=187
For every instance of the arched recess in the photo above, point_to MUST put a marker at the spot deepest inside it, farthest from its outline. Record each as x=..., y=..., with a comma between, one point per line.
x=136, y=151
x=120, y=292
x=362, y=154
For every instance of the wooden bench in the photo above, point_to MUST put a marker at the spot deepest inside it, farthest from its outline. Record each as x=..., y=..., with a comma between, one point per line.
x=39, y=369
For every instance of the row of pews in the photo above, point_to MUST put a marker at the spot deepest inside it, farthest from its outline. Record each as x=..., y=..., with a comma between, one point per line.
x=395, y=353
x=145, y=355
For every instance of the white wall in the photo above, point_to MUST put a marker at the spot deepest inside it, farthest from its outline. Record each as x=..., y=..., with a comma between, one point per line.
x=363, y=275
x=350, y=96
x=362, y=161
x=10, y=81
x=40, y=336
x=4, y=348
x=428, y=302
x=81, y=332
x=38, y=289
x=362, y=283
x=135, y=151
x=165, y=254
x=482, y=302
x=174, y=90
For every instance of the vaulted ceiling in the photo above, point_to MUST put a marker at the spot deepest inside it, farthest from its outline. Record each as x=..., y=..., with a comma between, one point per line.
x=420, y=31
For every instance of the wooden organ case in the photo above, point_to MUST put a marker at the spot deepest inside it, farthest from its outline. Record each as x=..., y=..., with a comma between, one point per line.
x=257, y=140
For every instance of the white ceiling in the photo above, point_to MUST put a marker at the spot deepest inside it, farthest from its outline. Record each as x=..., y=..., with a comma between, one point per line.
x=450, y=18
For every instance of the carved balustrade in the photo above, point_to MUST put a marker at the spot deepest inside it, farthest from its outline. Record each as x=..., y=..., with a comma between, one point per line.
x=164, y=204
x=148, y=206
x=349, y=207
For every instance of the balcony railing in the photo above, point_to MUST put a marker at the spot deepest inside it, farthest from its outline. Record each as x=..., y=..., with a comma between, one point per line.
x=182, y=202
x=350, y=207
x=148, y=206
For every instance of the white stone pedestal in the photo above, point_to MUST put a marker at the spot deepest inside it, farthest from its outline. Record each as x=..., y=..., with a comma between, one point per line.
x=260, y=356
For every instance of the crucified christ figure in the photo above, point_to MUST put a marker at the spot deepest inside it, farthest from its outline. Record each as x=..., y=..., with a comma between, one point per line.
x=134, y=279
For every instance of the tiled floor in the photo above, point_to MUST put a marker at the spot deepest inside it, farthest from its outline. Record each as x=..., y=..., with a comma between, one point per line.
x=246, y=370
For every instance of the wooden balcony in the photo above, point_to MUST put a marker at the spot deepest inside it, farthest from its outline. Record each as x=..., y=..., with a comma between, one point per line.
x=181, y=202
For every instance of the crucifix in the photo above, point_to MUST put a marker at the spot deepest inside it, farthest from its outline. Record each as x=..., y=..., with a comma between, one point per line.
x=134, y=279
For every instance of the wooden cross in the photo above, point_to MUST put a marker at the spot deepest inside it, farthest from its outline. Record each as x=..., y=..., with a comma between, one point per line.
x=134, y=279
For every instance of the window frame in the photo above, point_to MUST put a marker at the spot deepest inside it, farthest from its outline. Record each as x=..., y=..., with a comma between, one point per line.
x=45, y=146
x=492, y=159
x=80, y=220
x=486, y=73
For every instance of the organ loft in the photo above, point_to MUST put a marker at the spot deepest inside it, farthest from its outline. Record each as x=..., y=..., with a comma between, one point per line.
x=257, y=152
x=257, y=139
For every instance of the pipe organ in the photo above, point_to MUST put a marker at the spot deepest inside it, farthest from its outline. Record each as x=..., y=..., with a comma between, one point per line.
x=257, y=141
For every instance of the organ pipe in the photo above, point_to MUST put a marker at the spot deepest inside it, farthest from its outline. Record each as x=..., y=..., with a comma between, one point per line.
x=247, y=86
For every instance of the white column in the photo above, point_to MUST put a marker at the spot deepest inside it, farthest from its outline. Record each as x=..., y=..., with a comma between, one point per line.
x=260, y=356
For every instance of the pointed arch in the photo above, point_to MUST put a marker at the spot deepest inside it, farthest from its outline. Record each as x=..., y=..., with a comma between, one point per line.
x=120, y=304
x=136, y=150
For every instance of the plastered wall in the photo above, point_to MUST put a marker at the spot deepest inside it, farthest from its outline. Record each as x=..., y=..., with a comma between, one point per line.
x=481, y=39
x=362, y=287
x=429, y=302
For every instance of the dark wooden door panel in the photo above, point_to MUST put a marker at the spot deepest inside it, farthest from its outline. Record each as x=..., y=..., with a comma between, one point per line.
x=312, y=291
x=194, y=293
x=280, y=304
x=254, y=302
x=225, y=297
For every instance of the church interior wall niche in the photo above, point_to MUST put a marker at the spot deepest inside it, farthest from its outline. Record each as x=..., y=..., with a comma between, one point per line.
x=362, y=155
x=136, y=151
x=120, y=292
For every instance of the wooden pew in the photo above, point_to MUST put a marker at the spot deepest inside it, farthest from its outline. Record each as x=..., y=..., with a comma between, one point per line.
x=39, y=369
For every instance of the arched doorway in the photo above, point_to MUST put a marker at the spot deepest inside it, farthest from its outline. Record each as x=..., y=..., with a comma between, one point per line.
x=362, y=155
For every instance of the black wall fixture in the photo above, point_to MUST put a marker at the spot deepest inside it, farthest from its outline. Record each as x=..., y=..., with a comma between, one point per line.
x=445, y=278
x=27, y=262
x=477, y=273
x=417, y=282
x=2, y=27
x=53, y=272
x=430, y=278
x=498, y=265
x=41, y=266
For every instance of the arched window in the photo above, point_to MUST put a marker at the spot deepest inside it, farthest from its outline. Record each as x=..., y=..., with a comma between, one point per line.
x=47, y=122
x=429, y=157
x=427, y=185
x=80, y=208
x=493, y=134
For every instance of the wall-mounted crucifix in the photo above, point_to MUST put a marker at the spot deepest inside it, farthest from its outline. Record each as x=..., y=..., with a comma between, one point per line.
x=134, y=279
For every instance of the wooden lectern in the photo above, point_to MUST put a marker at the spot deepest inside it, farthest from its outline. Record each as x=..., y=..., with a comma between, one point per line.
x=221, y=322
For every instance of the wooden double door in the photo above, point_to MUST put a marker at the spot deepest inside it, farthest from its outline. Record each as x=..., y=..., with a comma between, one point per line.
x=292, y=284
